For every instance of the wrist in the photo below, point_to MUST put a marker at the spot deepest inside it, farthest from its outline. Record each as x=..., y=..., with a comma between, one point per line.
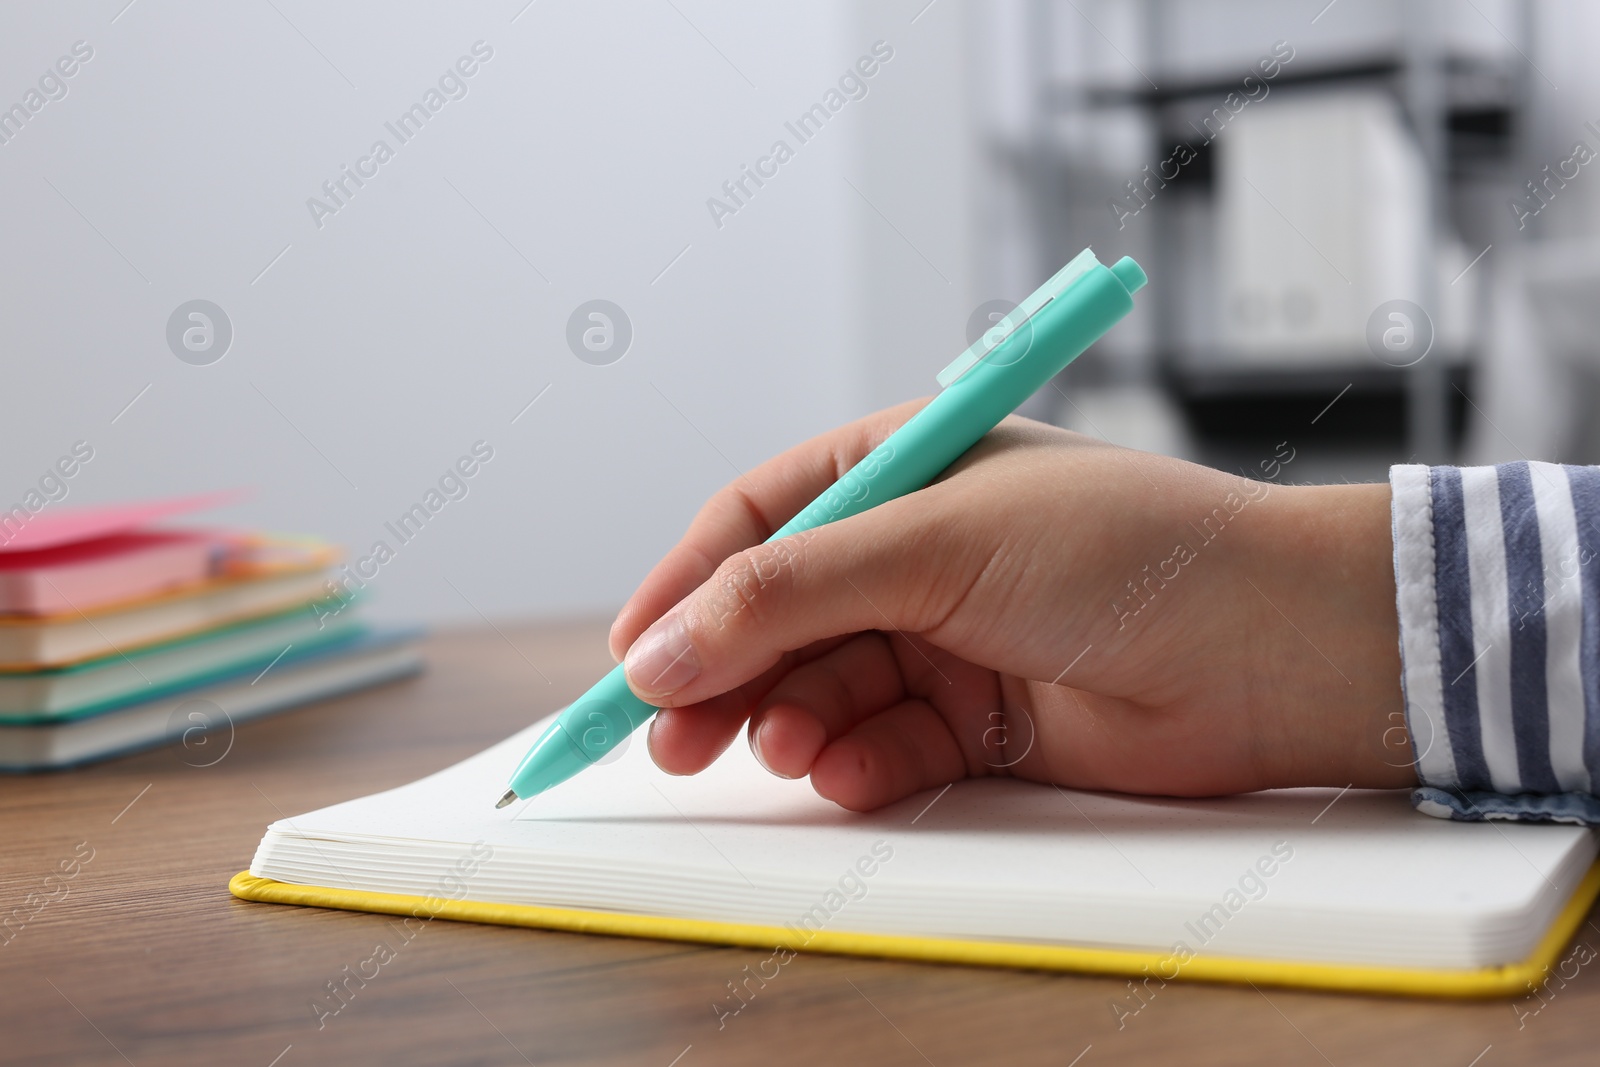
x=1331, y=569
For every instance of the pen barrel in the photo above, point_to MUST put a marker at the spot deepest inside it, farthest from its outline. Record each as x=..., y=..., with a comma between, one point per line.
x=972, y=405
x=591, y=730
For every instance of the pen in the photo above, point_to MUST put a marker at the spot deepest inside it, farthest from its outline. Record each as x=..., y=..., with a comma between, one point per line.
x=987, y=382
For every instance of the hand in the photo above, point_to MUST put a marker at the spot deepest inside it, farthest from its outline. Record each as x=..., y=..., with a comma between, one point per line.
x=1053, y=608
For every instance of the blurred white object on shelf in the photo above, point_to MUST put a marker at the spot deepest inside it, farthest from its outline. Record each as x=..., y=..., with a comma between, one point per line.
x=1321, y=208
x=1541, y=363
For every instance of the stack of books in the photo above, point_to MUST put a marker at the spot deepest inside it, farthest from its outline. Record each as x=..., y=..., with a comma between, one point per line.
x=117, y=633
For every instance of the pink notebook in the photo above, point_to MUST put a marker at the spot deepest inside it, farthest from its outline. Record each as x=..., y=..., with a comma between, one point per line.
x=87, y=575
x=22, y=531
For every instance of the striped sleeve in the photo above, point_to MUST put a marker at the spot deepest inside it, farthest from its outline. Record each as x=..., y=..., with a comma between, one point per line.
x=1498, y=592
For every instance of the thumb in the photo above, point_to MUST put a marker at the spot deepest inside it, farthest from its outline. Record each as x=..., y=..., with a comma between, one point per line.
x=884, y=569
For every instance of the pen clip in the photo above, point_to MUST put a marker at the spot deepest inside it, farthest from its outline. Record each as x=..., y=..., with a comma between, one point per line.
x=1009, y=324
x=1080, y=265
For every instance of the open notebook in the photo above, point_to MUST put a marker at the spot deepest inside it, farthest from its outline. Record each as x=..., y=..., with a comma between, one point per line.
x=1303, y=887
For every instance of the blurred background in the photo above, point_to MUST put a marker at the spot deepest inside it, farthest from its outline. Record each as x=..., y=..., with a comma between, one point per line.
x=1369, y=227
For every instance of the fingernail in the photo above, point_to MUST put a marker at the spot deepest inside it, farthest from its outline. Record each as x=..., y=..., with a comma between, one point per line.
x=650, y=740
x=755, y=749
x=757, y=741
x=663, y=660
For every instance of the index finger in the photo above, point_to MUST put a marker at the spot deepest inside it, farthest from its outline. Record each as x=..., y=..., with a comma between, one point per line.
x=749, y=510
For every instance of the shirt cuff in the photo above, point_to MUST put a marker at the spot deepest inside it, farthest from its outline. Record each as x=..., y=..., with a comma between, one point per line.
x=1465, y=806
x=1498, y=594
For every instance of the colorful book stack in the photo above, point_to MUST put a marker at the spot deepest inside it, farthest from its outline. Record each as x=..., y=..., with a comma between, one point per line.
x=118, y=634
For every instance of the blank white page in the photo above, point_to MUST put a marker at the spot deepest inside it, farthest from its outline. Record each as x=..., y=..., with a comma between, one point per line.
x=1302, y=874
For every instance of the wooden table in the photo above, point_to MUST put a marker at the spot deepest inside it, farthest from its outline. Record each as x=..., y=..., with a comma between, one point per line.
x=148, y=960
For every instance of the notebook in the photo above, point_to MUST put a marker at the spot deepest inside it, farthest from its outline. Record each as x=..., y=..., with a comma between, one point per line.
x=1345, y=890
x=202, y=718
x=28, y=643
x=143, y=674
x=94, y=574
x=25, y=531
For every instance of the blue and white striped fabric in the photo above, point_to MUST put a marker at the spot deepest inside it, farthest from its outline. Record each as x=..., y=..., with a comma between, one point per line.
x=1499, y=597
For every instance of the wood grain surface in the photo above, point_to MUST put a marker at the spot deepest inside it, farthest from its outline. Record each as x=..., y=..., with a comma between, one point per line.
x=142, y=957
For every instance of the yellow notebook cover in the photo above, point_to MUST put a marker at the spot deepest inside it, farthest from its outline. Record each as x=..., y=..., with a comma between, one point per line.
x=1340, y=890
x=1505, y=981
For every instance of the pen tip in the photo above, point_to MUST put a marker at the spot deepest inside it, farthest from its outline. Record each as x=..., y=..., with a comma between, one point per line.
x=511, y=795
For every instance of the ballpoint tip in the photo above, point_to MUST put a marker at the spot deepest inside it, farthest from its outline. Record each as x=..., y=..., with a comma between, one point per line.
x=511, y=795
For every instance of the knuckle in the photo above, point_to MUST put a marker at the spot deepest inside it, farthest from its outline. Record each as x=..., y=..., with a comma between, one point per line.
x=746, y=584
x=735, y=505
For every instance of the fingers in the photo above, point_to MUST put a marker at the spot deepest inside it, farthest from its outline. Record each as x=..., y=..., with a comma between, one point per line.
x=901, y=751
x=822, y=701
x=747, y=511
x=893, y=567
x=686, y=740
x=842, y=718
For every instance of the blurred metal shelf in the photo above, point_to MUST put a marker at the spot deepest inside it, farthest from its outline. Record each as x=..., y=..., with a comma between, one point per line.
x=1470, y=84
x=1465, y=110
x=1188, y=381
x=1338, y=410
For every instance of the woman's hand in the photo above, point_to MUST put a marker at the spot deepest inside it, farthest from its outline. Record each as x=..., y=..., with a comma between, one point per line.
x=1053, y=608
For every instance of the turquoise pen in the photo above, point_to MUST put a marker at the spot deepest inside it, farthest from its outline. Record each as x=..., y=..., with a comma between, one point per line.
x=987, y=382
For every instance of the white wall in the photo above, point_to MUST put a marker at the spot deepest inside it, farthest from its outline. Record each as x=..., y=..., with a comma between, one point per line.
x=382, y=345
x=913, y=208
